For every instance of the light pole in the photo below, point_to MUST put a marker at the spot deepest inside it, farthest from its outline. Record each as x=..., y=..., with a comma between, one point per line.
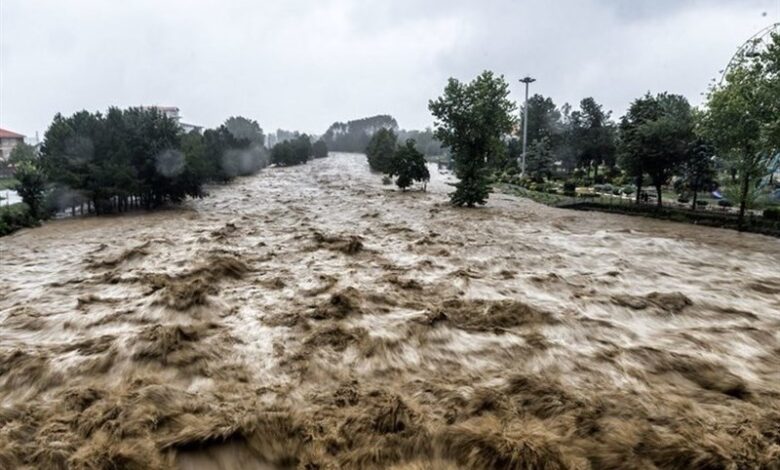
x=527, y=81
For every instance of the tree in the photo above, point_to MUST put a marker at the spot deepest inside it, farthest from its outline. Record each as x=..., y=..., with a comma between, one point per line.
x=320, y=149
x=243, y=128
x=292, y=152
x=21, y=153
x=697, y=170
x=592, y=136
x=31, y=186
x=471, y=119
x=656, y=134
x=539, y=164
x=353, y=136
x=408, y=165
x=742, y=117
x=380, y=150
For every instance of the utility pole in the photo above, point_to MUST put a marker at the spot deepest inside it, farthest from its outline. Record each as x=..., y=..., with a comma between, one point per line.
x=527, y=81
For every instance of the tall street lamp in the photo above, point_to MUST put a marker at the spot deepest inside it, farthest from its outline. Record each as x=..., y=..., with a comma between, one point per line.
x=527, y=81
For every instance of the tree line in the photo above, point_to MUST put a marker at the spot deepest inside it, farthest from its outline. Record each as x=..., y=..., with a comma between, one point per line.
x=138, y=158
x=661, y=137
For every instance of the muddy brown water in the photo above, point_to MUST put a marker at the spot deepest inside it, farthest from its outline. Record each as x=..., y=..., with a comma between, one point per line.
x=310, y=317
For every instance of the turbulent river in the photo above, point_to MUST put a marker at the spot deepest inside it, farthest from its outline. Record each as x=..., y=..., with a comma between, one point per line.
x=310, y=317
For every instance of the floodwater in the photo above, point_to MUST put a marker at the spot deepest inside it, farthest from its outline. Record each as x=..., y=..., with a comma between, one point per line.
x=310, y=317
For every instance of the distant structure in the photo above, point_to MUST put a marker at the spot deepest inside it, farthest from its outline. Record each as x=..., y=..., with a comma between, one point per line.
x=8, y=140
x=172, y=112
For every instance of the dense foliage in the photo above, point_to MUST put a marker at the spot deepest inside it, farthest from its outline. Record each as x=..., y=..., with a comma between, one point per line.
x=471, y=120
x=742, y=117
x=353, y=136
x=656, y=136
x=292, y=152
x=319, y=149
x=408, y=165
x=380, y=150
x=139, y=157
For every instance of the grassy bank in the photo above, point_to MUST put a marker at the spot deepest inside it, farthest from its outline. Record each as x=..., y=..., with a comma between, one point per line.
x=620, y=205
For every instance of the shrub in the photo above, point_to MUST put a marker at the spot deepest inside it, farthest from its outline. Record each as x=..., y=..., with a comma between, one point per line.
x=15, y=217
x=386, y=180
x=725, y=203
x=702, y=203
x=628, y=189
x=772, y=213
x=569, y=188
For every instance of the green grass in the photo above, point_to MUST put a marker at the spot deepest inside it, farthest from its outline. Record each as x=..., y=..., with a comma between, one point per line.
x=7, y=183
x=542, y=198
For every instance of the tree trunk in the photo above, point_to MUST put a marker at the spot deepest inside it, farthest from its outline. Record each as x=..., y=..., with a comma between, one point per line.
x=743, y=201
x=659, y=203
x=695, y=195
x=638, y=187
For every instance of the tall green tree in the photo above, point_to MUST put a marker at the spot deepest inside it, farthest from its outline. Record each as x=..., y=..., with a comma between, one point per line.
x=540, y=161
x=31, y=186
x=592, y=136
x=471, y=119
x=697, y=171
x=380, y=150
x=742, y=117
x=408, y=165
x=656, y=134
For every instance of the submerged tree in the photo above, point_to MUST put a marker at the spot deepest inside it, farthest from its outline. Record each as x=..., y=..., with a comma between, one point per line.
x=471, y=119
x=408, y=165
x=380, y=150
x=319, y=149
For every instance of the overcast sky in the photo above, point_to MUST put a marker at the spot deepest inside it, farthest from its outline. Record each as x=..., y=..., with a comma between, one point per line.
x=301, y=65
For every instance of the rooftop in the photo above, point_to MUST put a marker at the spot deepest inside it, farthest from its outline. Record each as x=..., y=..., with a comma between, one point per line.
x=6, y=134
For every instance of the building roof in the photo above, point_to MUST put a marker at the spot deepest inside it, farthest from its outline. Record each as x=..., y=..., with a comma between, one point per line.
x=5, y=134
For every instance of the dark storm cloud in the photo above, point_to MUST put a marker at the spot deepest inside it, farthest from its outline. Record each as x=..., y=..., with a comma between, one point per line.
x=304, y=64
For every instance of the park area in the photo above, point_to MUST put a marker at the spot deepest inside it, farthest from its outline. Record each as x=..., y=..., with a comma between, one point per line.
x=312, y=317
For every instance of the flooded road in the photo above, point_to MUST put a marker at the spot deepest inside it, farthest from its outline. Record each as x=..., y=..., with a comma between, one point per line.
x=310, y=317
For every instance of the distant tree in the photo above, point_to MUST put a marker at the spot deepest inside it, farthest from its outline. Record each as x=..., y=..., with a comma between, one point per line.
x=656, y=135
x=320, y=149
x=544, y=120
x=243, y=128
x=292, y=152
x=540, y=161
x=380, y=150
x=408, y=165
x=21, y=153
x=592, y=137
x=471, y=119
x=353, y=136
x=697, y=171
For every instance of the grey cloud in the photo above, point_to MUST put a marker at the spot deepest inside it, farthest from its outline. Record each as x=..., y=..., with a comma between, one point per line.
x=303, y=64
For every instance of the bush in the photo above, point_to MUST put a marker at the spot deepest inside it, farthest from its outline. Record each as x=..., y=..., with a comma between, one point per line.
x=15, y=217
x=600, y=179
x=702, y=203
x=725, y=203
x=569, y=188
x=772, y=213
x=628, y=189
